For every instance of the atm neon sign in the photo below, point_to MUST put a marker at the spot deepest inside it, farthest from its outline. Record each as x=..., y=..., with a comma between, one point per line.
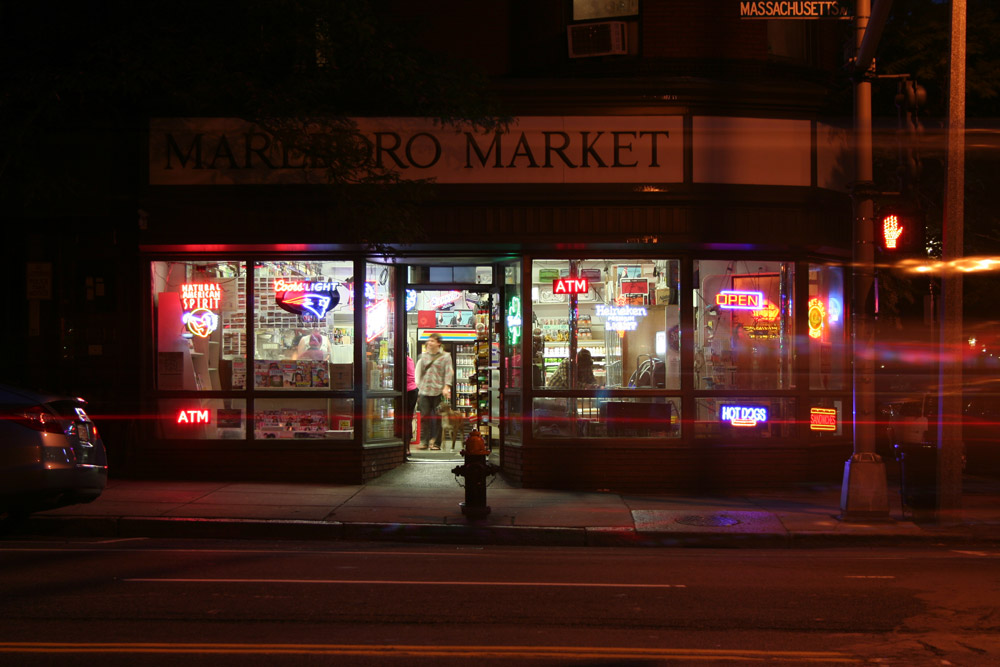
x=570, y=286
x=743, y=415
x=193, y=417
x=822, y=419
x=740, y=300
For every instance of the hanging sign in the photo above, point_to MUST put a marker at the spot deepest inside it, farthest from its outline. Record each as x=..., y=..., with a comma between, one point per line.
x=377, y=320
x=306, y=298
x=743, y=415
x=740, y=300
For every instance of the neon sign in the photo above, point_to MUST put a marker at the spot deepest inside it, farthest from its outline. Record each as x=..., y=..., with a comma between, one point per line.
x=377, y=320
x=411, y=299
x=514, y=322
x=201, y=322
x=309, y=299
x=620, y=318
x=439, y=300
x=742, y=415
x=199, y=300
x=817, y=318
x=193, y=417
x=570, y=286
x=822, y=419
x=200, y=295
x=740, y=300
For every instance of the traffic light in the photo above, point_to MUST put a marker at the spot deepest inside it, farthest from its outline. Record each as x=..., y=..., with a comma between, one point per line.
x=899, y=232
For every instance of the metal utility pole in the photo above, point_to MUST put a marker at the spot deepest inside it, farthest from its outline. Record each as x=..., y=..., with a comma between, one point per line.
x=949, y=433
x=864, y=495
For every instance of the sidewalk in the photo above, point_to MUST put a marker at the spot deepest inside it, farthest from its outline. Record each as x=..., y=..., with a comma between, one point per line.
x=419, y=502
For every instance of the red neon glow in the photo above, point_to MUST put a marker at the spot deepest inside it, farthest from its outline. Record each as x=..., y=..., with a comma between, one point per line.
x=891, y=230
x=192, y=417
x=737, y=300
x=201, y=295
x=570, y=286
x=822, y=419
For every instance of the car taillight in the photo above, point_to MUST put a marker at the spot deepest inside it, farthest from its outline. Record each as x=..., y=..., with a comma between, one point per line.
x=36, y=418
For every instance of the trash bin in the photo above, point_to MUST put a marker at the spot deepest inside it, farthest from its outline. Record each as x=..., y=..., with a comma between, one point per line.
x=917, y=474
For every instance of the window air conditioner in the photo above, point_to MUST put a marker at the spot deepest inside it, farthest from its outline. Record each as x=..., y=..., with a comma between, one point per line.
x=597, y=39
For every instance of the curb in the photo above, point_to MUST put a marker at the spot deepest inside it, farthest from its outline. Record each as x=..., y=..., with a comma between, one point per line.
x=476, y=533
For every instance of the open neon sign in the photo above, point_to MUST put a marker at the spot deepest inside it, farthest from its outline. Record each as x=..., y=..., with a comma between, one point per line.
x=740, y=300
x=743, y=415
x=822, y=419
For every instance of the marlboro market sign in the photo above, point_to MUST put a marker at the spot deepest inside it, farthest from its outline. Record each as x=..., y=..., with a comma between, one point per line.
x=535, y=149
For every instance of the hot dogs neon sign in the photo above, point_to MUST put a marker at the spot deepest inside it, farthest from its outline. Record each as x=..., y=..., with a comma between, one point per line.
x=743, y=415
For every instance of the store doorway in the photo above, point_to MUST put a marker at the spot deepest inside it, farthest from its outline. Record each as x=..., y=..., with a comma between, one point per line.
x=451, y=330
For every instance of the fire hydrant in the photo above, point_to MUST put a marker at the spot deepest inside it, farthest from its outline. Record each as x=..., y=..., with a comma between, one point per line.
x=475, y=469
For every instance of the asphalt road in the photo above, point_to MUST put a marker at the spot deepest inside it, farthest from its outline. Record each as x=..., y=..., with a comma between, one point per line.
x=123, y=602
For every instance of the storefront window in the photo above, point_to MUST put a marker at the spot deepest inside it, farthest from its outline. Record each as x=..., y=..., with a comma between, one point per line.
x=199, y=310
x=827, y=330
x=313, y=418
x=595, y=417
x=459, y=275
x=303, y=326
x=612, y=323
x=745, y=418
x=201, y=419
x=744, y=331
x=380, y=318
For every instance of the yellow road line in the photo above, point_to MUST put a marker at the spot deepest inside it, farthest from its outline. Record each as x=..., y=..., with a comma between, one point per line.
x=567, y=652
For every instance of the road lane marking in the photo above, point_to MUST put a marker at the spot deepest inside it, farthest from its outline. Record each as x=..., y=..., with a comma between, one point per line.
x=410, y=651
x=540, y=584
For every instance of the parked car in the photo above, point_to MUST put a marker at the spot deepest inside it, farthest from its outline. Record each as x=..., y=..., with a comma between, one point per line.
x=50, y=452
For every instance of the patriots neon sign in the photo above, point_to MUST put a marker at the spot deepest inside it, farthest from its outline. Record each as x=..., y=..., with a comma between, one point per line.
x=306, y=298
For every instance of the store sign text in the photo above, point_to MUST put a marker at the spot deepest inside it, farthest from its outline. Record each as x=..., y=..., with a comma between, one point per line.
x=738, y=300
x=742, y=415
x=201, y=295
x=570, y=286
x=439, y=300
x=588, y=149
x=620, y=318
x=822, y=419
x=794, y=9
x=193, y=417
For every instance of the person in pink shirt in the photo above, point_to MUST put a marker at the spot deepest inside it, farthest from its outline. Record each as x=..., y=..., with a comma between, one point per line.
x=411, y=400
